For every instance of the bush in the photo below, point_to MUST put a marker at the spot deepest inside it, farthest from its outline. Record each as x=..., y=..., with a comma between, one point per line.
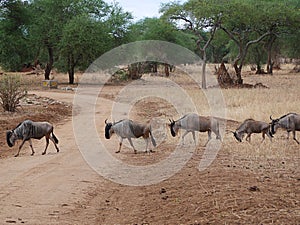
x=11, y=92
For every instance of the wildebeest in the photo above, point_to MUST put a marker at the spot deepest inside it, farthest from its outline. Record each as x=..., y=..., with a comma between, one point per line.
x=250, y=126
x=29, y=129
x=129, y=129
x=289, y=122
x=193, y=122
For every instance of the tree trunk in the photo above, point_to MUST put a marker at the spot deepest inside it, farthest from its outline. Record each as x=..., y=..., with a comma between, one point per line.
x=155, y=67
x=204, y=70
x=71, y=69
x=269, y=64
x=71, y=75
x=49, y=65
x=134, y=71
x=269, y=49
x=167, y=72
x=238, y=72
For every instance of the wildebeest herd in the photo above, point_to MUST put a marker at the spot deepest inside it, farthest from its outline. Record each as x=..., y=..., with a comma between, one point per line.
x=193, y=122
x=128, y=129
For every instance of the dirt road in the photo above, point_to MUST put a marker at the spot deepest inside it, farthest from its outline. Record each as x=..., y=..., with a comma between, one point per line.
x=37, y=189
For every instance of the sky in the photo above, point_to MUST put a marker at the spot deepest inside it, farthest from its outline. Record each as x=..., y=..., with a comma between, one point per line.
x=141, y=8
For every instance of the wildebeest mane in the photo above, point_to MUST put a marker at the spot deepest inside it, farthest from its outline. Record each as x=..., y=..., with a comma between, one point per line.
x=18, y=125
x=286, y=115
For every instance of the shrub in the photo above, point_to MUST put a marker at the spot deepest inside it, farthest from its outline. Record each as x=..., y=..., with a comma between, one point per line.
x=11, y=92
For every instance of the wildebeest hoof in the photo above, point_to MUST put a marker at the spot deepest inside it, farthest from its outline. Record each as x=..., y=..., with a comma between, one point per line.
x=43, y=153
x=16, y=155
x=117, y=152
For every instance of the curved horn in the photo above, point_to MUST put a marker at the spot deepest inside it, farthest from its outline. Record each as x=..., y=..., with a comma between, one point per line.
x=271, y=117
x=230, y=131
x=106, y=121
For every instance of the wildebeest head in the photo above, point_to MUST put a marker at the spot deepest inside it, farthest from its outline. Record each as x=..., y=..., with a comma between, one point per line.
x=274, y=125
x=108, y=130
x=174, y=129
x=10, y=138
x=238, y=136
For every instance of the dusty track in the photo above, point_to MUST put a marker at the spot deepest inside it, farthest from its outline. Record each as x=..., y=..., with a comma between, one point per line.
x=37, y=189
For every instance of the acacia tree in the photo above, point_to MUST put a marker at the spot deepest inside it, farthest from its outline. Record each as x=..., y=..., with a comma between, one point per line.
x=241, y=24
x=250, y=22
x=197, y=16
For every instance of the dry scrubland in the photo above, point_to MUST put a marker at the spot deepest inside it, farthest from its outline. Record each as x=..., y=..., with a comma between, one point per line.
x=247, y=183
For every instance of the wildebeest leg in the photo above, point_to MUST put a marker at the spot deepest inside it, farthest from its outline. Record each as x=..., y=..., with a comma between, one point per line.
x=47, y=143
x=294, y=137
x=209, y=137
x=20, y=148
x=52, y=139
x=269, y=135
x=263, y=137
x=194, y=137
x=147, y=142
x=30, y=143
x=185, y=133
x=120, y=144
x=130, y=141
x=248, y=138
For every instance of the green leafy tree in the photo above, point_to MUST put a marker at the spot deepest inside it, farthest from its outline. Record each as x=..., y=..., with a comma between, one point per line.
x=283, y=17
x=83, y=40
x=50, y=22
x=49, y=17
x=118, y=23
x=157, y=29
x=14, y=22
x=160, y=29
x=250, y=22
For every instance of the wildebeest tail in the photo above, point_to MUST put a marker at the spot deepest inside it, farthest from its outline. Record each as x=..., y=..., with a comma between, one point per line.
x=55, y=138
x=152, y=138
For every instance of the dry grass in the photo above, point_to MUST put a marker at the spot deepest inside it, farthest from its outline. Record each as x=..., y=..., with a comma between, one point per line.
x=220, y=194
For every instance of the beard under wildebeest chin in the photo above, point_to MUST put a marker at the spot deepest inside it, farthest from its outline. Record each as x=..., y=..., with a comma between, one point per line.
x=8, y=138
x=171, y=125
x=107, y=130
x=274, y=127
